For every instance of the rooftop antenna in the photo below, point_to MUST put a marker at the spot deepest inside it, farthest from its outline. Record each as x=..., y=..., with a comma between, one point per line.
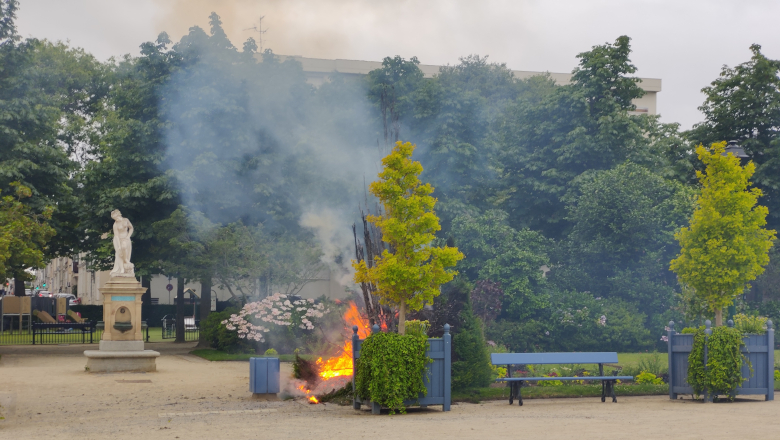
x=260, y=32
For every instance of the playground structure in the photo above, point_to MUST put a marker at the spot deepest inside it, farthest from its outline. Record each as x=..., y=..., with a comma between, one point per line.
x=15, y=306
x=17, y=312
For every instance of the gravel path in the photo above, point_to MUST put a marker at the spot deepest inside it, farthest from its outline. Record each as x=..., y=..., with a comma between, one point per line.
x=52, y=397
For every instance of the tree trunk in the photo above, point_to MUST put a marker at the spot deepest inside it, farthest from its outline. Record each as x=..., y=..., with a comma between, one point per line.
x=205, y=308
x=402, y=318
x=18, y=285
x=718, y=317
x=179, y=309
x=146, y=298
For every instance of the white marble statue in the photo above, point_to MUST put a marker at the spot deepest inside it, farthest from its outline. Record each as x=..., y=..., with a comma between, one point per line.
x=123, y=229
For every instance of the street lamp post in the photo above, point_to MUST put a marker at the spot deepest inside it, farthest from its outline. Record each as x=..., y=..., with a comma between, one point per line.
x=734, y=149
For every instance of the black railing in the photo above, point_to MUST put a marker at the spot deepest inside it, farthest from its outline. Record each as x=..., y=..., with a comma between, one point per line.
x=191, y=328
x=65, y=333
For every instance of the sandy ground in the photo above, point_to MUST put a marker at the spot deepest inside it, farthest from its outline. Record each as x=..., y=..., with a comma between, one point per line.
x=52, y=397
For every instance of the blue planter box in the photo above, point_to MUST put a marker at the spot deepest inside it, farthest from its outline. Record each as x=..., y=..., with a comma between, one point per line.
x=438, y=377
x=264, y=375
x=759, y=349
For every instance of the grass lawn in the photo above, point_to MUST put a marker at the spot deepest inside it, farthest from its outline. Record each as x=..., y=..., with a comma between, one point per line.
x=633, y=359
x=565, y=390
x=216, y=355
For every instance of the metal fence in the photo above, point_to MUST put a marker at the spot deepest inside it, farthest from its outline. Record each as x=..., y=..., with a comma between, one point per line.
x=191, y=328
x=40, y=333
x=65, y=333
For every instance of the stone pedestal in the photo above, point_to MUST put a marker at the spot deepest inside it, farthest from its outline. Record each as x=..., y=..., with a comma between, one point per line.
x=122, y=345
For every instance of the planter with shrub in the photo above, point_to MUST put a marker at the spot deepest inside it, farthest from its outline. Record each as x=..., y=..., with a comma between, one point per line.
x=721, y=362
x=396, y=371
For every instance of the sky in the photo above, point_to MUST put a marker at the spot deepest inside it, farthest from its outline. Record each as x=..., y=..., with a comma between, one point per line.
x=684, y=43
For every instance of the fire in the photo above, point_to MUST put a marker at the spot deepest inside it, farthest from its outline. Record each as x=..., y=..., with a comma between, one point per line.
x=342, y=365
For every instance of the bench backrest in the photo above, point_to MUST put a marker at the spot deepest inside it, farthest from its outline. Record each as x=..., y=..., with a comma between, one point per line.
x=554, y=358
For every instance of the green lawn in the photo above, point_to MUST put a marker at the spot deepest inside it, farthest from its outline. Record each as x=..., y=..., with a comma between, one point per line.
x=633, y=359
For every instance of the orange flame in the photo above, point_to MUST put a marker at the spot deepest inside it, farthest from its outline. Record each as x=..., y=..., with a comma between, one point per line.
x=342, y=364
x=313, y=400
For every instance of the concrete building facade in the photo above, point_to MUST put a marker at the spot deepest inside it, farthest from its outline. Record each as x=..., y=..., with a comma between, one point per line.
x=319, y=71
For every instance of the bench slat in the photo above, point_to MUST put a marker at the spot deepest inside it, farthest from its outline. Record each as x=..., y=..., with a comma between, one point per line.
x=553, y=358
x=517, y=379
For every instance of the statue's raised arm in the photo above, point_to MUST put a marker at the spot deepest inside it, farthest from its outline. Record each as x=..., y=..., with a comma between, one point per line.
x=123, y=248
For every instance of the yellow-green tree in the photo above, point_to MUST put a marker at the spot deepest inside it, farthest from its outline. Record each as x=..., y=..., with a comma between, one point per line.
x=410, y=273
x=24, y=235
x=726, y=245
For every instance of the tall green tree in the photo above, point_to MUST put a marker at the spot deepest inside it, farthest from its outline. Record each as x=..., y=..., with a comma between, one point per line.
x=411, y=272
x=548, y=143
x=24, y=234
x=392, y=89
x=48, y=95
x=743, y=104
x=726, y=245
x=623, y=225
x=455, y=115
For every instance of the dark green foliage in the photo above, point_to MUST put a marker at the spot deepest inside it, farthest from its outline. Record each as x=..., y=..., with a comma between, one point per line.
x=471, y=368
x=573, y=322
x=219, y=337
x=526, y=336
x=495, y=251
x=342, y=396
x=743, y=104
x=622, y=237
x=390, y=369
x=723, y=373
x=547, y=144
x=447, y=307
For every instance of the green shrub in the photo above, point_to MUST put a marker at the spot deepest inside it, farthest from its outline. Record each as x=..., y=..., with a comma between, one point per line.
x=219, y=337
x=750, y=324
x=471, y=368
x=777, y=376
x=652, y=363
x=417, y=328
x=724, y=361
x=550, y=383
x=497, y=371
x=647, y=377
x=271, y=352
x=390, y=369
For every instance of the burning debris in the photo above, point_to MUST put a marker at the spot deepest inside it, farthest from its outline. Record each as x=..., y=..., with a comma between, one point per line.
x=327, y=376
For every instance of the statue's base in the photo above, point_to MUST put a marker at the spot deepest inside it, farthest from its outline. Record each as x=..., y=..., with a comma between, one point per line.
x=106, y=361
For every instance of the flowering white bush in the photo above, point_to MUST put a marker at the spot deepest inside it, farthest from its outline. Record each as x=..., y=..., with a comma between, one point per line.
x=277, y=310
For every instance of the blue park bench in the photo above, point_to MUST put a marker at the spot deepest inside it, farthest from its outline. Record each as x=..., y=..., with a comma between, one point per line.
x=515, y=383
